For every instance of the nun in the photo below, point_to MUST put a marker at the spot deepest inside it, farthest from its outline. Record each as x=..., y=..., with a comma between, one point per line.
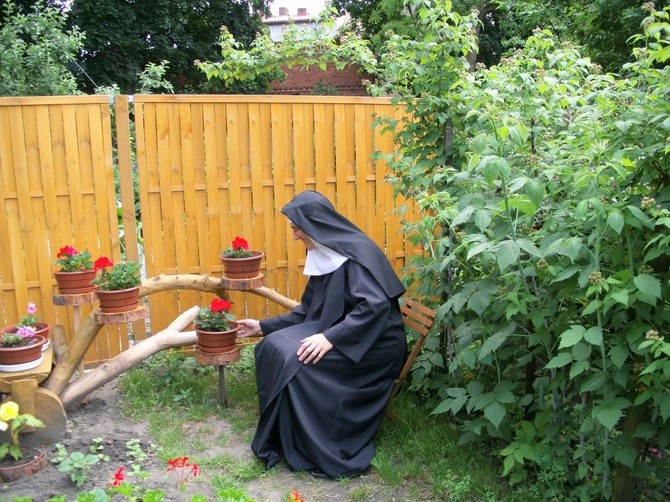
x=325, y=370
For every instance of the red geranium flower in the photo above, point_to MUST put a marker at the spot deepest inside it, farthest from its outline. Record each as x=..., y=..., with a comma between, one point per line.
x=182, y=470
x=66, y=251
x=240, y=243
x=219, y=305
x=102, y=262
x=119, y=477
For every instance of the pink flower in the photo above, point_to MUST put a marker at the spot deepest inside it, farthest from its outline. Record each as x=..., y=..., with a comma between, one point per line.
x=32, y=308
x=26, y=331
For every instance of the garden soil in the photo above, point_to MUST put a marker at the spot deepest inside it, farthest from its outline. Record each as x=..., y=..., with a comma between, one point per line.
x=99, y=418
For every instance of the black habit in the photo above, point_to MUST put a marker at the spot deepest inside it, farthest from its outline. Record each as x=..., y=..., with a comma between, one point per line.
x=324, y=416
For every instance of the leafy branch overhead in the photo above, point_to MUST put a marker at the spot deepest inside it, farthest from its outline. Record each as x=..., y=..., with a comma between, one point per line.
x=264, y=59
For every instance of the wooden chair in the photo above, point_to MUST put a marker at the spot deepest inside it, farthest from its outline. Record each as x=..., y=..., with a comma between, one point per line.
x=420, y=319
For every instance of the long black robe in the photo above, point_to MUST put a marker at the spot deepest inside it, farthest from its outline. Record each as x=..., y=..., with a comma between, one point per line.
x=324, y=416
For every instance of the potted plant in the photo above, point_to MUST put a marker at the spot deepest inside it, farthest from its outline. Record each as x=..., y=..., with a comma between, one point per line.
x=76, y=271
x=21, y=344
x=12, y=423
x=216, y=327
x=117, y=285
x=239, y=262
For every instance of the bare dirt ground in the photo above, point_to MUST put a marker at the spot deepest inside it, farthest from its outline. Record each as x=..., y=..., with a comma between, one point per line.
x=100, y=417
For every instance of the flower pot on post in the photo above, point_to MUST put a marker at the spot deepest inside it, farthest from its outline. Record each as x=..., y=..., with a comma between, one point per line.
x=118, y=285
x=211, y=342
x=118, y=301
x=74, y=283
x=217, y=329
x=242, y=268
x=239, y=262
x=76, y=273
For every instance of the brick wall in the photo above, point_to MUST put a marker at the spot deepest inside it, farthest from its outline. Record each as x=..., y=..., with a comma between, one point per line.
x=347, y=81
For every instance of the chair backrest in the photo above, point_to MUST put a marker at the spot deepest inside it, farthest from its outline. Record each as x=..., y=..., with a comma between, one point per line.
x=420, y=319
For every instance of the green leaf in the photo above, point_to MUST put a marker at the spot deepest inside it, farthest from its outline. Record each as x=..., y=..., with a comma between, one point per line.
x=594, y=382
x=619, y=355
x=478, y=302
x=507, y=252
x=571, y=336
x=479, y=248
x=458, y=403
x=560, y=360
x=609, y=416
x=664, y=406
x=591, y=307
x=640, y=216
x=594, y=335
x=626, y=455
x=508, y=464
x=578, y=368
x=492, y=343
x=482, y=219
x=463, y=216
x=648, y=285
x=616, y=221
x=620, y=296
x=495, y=412
x=535, y=191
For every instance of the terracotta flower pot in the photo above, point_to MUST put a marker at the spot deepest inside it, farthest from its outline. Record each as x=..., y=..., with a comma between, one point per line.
x=72, y=283
x=242, y=268
x=216, y=341
x=12, y=356
x=121, y=300
x=30, y=464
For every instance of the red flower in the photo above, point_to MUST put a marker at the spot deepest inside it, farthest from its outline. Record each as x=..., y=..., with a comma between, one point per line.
x=102, y=262
x=183, y=471
x=66, y=251
x=240, y=243
x=219, y=305
x=294, y=496
x=119, y=477
x=177, y=463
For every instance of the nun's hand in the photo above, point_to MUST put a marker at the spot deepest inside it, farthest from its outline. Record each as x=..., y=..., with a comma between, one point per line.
x=248, y=327
x=313, y=348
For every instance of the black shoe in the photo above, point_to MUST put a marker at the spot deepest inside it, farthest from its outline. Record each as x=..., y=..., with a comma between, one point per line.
x=318, y=473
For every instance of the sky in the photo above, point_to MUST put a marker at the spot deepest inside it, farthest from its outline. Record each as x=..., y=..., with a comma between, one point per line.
x=312, y=6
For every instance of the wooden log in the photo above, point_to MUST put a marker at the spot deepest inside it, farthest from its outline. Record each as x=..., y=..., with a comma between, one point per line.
x=275, y=297
x=59, y=341
x=62, y=373
x=167, y=282
x=242, y=284
x=170, y=337
x=71, y=300
x=138, y=313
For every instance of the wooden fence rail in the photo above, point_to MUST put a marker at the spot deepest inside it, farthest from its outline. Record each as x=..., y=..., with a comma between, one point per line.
x=208, y=168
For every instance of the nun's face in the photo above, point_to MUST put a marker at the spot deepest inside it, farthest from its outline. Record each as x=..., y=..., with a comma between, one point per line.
x=302, y=236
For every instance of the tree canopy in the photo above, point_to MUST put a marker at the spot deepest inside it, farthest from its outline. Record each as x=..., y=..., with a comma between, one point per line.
x=123, y=37
x=37, y=51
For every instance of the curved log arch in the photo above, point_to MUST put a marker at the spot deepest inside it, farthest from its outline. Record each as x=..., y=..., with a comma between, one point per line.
x=172, y=336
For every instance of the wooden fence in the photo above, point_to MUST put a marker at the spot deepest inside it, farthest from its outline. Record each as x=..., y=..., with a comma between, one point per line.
x=209, y=168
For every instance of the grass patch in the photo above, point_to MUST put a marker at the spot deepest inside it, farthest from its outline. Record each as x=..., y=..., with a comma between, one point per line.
x=417, y=454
